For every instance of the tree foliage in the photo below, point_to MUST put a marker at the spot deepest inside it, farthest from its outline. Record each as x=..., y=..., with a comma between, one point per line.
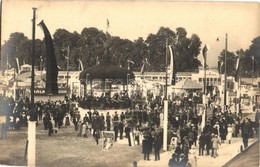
x=89, y=46
x=249, y=60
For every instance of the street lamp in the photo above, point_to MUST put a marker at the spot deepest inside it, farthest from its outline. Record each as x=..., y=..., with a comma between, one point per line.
x=225, y=77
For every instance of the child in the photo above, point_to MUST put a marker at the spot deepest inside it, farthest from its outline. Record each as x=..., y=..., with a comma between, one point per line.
x=84, y=130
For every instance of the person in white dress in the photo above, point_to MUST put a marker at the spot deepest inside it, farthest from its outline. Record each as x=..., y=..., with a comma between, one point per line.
x=229, y=133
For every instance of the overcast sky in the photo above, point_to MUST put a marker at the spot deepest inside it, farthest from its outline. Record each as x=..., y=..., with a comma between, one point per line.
x=133, y=19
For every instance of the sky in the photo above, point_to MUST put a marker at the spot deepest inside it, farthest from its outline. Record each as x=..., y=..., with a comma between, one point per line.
x=136, y=18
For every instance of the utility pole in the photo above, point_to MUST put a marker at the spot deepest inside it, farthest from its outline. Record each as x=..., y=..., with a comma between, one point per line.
x=225, y=86
x=68, y=61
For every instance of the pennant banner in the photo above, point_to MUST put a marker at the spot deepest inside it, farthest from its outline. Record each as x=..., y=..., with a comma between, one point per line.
x=144, y=66
x=237, y=69
x=172, y=66
x=51, y=87
x=17, y=66
x=80, y=65
x=204, y=52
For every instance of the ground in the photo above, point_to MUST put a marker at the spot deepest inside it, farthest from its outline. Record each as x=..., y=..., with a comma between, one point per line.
x=66, y=149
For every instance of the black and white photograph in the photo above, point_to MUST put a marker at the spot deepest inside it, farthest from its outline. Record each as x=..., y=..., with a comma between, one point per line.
x=129, y=83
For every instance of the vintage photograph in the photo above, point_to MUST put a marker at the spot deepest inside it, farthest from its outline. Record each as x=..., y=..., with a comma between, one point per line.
x=129, y=83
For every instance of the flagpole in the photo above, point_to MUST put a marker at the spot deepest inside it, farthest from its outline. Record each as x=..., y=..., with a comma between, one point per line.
x=33, y=59
x=204, y=116
x=165, y=110
x=31, y=161
x=68, y=61
x=253, y=64
x=225, y=88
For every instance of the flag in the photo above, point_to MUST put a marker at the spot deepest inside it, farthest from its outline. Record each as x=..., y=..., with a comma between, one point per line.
x=107, y=23
x=144, y=66
x=128, y=63
x=237, y=69
x=80, y=65
x=172, y=66
x=204, y=53
x=17, y=66
x=51, y=87
x=220, y=64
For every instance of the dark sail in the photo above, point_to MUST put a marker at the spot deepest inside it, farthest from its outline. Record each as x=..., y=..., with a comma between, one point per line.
x=51, y=87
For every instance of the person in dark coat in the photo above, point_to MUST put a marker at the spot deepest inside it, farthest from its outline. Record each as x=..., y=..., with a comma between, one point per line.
x=223, y=132
x=157, y=147
x=178, y=150
x=116, y=130
x=121, y=129
x=183, y=161
x=46, y=120
x=245, y=138
x=173, y=162
x=146, y=148
x=108, y=121
x=50, y=127
x=202, y=143
x=127, y=132
x=208, y=142
x=186, y=146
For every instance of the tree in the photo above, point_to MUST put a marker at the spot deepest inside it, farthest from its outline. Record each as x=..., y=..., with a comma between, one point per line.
x=156, y=47
x=92, y=43
x=11, y=47
x=254, y=51
x=63, y=39
x=185, y=50
x=138, y=53
x=231, y=62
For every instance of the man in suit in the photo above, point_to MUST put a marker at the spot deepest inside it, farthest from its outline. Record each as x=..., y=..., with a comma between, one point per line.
x=108, y=121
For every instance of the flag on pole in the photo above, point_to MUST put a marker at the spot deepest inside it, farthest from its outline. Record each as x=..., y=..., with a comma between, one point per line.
x=220, y=65
x=128, y=63
x=144, y=66
x=107, y=23
x=172, y=66
x=17, y=66
x=80, y=65
x=204, y=53
x=237, y=69
x=51, y=87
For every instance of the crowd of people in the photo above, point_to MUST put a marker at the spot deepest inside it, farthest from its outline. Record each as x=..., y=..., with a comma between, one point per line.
x=142, y=123
x=117, y=101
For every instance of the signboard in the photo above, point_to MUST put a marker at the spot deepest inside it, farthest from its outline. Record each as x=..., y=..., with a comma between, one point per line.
x=108, y=141
x=41, y=91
